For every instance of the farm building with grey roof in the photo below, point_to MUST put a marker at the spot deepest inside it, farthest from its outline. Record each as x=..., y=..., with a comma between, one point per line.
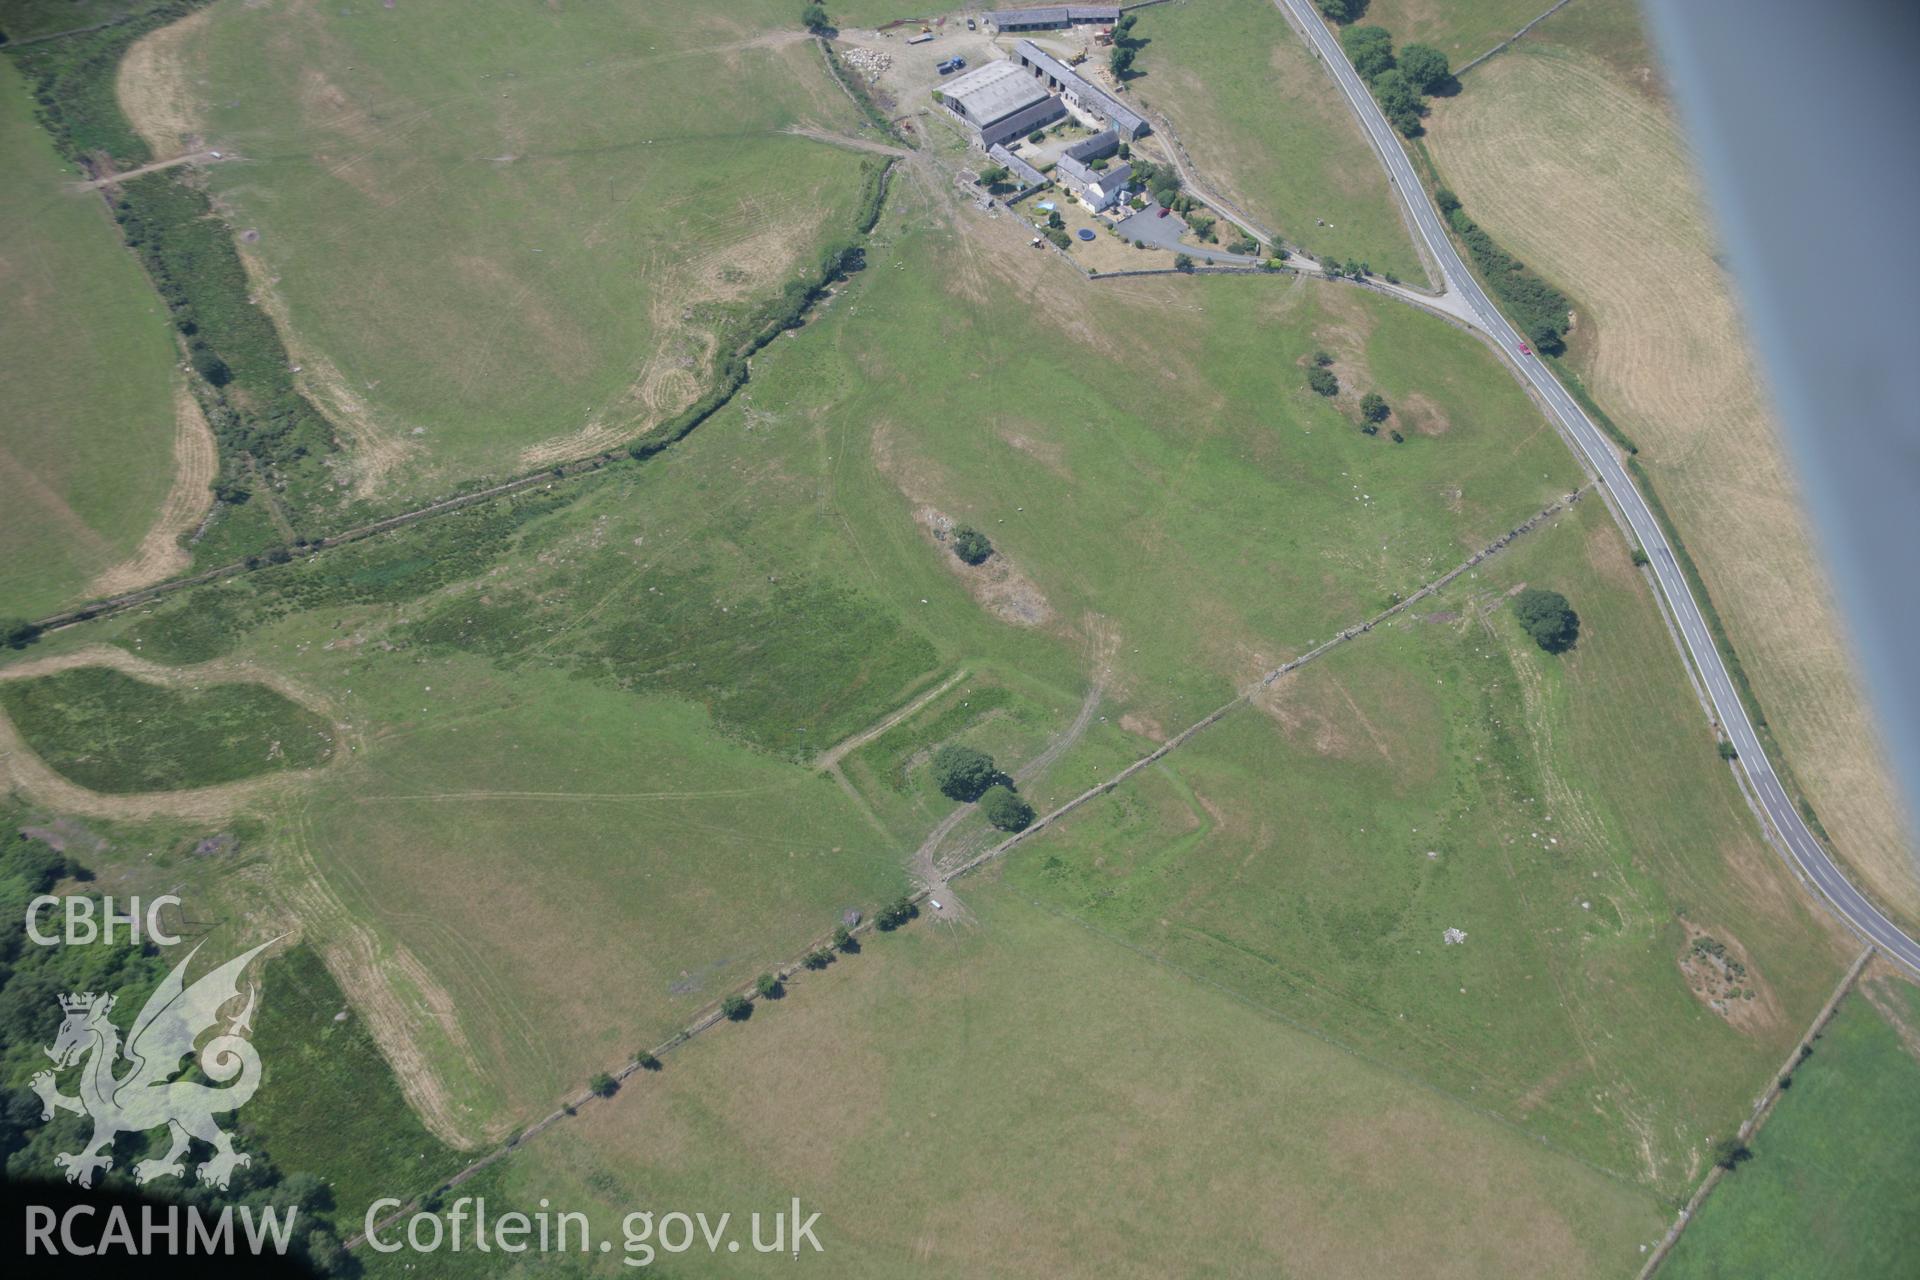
x=1080, y=93
x=1053, y=16
x=1000, y=101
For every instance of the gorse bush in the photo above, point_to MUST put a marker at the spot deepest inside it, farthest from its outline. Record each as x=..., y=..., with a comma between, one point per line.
x=971, y=545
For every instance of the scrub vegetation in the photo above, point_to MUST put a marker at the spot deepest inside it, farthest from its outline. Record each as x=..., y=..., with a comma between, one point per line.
x=109, y=731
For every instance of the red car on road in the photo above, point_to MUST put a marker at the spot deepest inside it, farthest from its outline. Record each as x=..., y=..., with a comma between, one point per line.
x=1165, y=211
x=1525, y=350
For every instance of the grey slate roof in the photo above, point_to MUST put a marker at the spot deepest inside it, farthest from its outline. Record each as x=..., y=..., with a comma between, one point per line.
x=1026, y=173
x=1104, y=143
x=1058, y=15
x=1053, y=13
x=1124, y=118
x=994, y=91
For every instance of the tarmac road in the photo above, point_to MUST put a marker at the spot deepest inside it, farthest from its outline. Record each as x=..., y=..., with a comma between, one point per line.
x=1796, y=840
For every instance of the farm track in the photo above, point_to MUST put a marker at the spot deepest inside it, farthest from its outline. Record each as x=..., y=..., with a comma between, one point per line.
x=711, y=1016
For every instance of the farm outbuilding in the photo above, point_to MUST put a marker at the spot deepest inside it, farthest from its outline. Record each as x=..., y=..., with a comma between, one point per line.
x=1000, y=101
x=1080, y=93
x=1052, y=17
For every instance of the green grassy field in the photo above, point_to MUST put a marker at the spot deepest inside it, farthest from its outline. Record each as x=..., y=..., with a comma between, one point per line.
x=1022, y=1096
x=1263, y=122
x=86, y=452
x=1461, y=29
x=602, y=702
x=583, y=802
x=506, y=240
x=111, y=732
x=1830, y=1190
x=1568, y=814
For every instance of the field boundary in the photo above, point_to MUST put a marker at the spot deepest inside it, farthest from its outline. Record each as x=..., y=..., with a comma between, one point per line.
x=1511, y=40
x=1246, y=697
x=1762, y=1109
x=712, y=1015
x=736, y=373
x=1689, y=568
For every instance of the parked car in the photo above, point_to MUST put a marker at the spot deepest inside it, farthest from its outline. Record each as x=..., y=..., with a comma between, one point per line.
x=970, y=25
x=1164, y=211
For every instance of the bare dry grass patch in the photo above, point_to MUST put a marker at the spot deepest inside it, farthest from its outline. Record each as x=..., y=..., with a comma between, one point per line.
x=1584, y=175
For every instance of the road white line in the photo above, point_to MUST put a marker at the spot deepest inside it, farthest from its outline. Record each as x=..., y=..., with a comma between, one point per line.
x=1802, y=848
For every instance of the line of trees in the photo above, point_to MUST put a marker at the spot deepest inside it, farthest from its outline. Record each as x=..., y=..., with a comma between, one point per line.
x=1540, y=309
x=1126, y=46
x=1400, y=83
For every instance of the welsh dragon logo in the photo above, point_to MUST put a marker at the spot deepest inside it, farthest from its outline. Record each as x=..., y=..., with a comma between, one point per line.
x=146, y=1096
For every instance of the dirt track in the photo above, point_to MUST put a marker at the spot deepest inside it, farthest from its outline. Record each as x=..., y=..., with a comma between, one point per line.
x=160, y=555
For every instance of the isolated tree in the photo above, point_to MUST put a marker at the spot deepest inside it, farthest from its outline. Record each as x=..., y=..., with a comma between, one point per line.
x=1006, y=810
x=769, y=987
x=1037, y=136
x=1370, y=49
x=819, y=958
x=1374, y=408
x=646, y=1061
x=971, y=545
x=1055, y=221
x=1426, y=67
x=1181, y=262
x=1400, y=101
x=895, y=914
x=961, y=772
x=994, y=174
x=1728, y=751
x=1123, y=29
x=1548, y=618
x=814, y=18
x=1731, y=1153
x=1323, y=381
x=1323, y=358
x=1120, y=61
x=1342, y=10
x=18, y=633
x=604, y=1085
x=843, y=938
x=737, y=1007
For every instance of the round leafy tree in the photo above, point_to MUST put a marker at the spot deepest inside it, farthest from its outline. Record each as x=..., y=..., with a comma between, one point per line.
x=962, y=773
x=737, y=1007
x=1548, y=618
x=971, y=545
x=1374, y=408
x=1323, y=381
x=1006, y=810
